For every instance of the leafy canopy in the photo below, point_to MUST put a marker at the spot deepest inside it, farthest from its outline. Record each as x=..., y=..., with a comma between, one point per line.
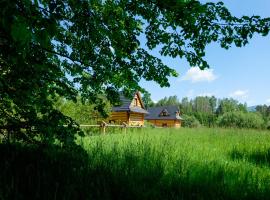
x=91, y=47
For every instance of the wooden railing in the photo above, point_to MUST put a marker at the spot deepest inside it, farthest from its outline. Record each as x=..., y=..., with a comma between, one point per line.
x=103, y=126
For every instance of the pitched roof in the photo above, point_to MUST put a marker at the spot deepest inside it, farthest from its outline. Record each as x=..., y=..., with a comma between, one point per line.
x=155, y=112
x=138, y=109
x=126, y=105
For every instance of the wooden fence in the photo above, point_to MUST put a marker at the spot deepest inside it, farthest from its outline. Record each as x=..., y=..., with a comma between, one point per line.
x=104, y=126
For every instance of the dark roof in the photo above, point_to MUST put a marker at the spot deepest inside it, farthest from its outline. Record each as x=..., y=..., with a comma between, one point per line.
x=138, y=110
x=125, y=105
x=154, y=112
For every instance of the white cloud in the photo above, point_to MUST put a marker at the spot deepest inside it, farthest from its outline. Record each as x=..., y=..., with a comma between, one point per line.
x=268, y=101
x=240, y=94
x=195, y=74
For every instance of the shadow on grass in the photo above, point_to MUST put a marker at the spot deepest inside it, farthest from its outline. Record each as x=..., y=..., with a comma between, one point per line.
x=260, y=157
x=28, y=172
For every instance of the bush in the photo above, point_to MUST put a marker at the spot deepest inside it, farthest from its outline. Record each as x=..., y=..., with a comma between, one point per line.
x=268, y=125
x=190, y=121
x=205, y=119
x=241, y=120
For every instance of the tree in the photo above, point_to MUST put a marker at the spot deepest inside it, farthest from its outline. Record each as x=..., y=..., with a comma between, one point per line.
x=81, y=112
x=147, y=100
x=202, y=108
x=230, y=105
x=186, y=106
x=240, y=119
x=202, y=104
x=168, y=101
x=264, y=110
x=91, y=48
x=243, y=107
x=227, y=105
x=173, y=100
x=213, y=103
x=190, y=121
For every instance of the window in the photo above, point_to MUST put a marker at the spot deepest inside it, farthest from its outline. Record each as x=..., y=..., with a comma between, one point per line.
x=164, y=113
x=136, y=102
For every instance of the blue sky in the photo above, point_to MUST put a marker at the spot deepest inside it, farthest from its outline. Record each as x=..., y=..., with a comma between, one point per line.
x=240, y=73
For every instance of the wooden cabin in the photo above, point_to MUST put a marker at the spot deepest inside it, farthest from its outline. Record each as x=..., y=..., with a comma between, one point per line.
x=131, y=111
x=164, y=116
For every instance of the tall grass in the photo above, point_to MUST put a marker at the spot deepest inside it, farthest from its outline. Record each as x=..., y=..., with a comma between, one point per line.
x=188, y=163
x=143, y=164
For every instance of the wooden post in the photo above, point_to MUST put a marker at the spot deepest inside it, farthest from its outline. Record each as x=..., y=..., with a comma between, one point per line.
x=103, y=127
x=125, y=127
x=128, y=115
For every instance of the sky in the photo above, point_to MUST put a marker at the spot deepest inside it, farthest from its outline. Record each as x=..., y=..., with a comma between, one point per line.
x=239, y=73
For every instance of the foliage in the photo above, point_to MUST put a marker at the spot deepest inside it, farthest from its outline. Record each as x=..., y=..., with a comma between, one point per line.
x=230, y=105
x=268, y=124
x=202, y=104
x=209, y=111
x=82, y=112
x=147, y=100
x=264, y=110
x=51, y=48
x=241, y=120
x=207, y=119
x=168, y=101
x=205, y=164
x=186, y=106
x=190, y=121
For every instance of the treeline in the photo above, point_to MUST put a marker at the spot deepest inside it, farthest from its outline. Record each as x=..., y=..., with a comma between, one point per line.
x=211, y=112
x=200, y=111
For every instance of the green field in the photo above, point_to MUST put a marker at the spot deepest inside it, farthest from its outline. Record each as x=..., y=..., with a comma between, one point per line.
x=144, y=164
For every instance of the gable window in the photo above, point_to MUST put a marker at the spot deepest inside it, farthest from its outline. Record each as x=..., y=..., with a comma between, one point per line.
x=164, y=113
x=136, y=102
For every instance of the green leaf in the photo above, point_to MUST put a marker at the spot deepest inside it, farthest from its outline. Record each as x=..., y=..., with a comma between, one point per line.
x=20, y=33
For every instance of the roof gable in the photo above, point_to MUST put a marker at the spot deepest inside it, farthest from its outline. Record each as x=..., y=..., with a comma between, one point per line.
x=171, y=112
x=134, y=105
x=137, y=101
x=164, y=113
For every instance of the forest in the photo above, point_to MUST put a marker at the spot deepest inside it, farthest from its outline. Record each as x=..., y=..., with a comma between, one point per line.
x=201, y=111
x=211, y=112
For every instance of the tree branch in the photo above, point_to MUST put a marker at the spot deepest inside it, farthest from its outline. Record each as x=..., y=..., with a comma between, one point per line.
x=229, y=24
x=59, y=54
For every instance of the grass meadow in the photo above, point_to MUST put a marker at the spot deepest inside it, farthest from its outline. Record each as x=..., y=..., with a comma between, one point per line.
x=143, y=164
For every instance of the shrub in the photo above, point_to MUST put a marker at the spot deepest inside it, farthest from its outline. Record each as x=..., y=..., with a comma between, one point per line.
x=190, y=121
x=268, y=125
x=241, y=120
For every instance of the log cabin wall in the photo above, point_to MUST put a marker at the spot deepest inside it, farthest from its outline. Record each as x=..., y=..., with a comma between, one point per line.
x=166, y=123
x=177, y=123
x=130, y=111
x=119, y=117
x=136, y=119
